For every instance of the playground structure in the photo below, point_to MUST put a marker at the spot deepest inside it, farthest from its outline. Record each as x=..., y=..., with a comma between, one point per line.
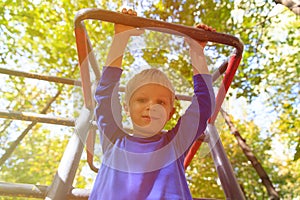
x=85, y=128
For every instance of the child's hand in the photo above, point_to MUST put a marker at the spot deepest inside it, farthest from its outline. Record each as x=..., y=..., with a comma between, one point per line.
x=195, y=44
x=207, y=28
x=196, y=52
x=131, y=31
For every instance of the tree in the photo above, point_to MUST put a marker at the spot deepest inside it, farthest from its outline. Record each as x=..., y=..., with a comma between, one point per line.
x=293, y=5
x=251, y=157
x=39, y=37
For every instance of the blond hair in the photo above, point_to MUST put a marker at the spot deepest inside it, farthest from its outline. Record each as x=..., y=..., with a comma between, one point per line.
x=148, y=76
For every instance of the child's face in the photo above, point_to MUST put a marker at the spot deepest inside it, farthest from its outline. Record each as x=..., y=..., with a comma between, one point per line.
x=151, y=104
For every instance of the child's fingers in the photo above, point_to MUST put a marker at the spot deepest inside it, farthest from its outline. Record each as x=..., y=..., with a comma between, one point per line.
x=124, y=11
x=129, y=30
x=205, y=27
x=202, y=26
x=129, y=12
x=132, y=12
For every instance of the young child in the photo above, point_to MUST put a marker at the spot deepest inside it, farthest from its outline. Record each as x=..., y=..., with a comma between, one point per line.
x=148, y=163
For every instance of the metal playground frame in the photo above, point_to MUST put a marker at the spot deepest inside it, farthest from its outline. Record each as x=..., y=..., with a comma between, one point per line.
x=85, y=128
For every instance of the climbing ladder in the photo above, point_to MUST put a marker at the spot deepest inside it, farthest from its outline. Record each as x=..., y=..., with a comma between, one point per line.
x=85, y=128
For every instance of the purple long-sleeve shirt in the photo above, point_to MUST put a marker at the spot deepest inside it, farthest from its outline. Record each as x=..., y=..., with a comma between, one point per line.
x=146, y=168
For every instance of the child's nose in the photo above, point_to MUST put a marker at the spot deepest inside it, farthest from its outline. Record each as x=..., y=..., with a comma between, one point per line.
x=157, y=110
x=151, y=105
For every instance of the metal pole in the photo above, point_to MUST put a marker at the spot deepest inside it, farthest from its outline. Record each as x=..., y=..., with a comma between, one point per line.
x=22, y=190
x=160, y=26
x=228, y=180
x=40, y=77
x=62, y=183
x=26, y=116
x=37, y=191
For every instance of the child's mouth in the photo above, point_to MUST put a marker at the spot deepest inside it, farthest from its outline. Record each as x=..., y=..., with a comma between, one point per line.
x=146, y=117
x=150, y=118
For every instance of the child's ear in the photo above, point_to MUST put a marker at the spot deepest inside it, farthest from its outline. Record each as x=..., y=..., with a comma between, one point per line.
x=172, y=113
x=126, y=109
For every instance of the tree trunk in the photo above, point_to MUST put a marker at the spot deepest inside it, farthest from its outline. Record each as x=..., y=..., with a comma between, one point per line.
x=251, y=157
x=293, y=5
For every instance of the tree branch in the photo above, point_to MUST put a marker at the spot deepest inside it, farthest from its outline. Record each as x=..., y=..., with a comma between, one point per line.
x=293, y=5
x=251, y=157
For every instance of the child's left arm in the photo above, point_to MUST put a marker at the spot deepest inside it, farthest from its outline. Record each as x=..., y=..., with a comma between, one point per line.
x=197, y=52
x=203, y=102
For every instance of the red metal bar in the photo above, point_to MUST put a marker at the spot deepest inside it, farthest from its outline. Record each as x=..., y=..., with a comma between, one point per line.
x=90, y=143
x=192, y=151
x=229, y=74
x=160, y=26
x=81, y=41
x=83, y=56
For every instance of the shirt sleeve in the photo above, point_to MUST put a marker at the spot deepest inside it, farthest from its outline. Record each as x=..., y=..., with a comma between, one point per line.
x=203, y=100
x=108, y=109
x=194, y=121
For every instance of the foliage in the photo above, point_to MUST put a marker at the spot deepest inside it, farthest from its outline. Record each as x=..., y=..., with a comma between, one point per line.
x=285, y=132
x=38, y=37
x=202, y=172
x=30, y=164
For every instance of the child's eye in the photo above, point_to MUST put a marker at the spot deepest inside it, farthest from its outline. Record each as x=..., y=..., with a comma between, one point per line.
x=141, y=100
x=161, y=102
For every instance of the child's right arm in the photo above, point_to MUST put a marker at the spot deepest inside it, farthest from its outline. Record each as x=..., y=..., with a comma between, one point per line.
x=108, y=110
x=120, y=40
